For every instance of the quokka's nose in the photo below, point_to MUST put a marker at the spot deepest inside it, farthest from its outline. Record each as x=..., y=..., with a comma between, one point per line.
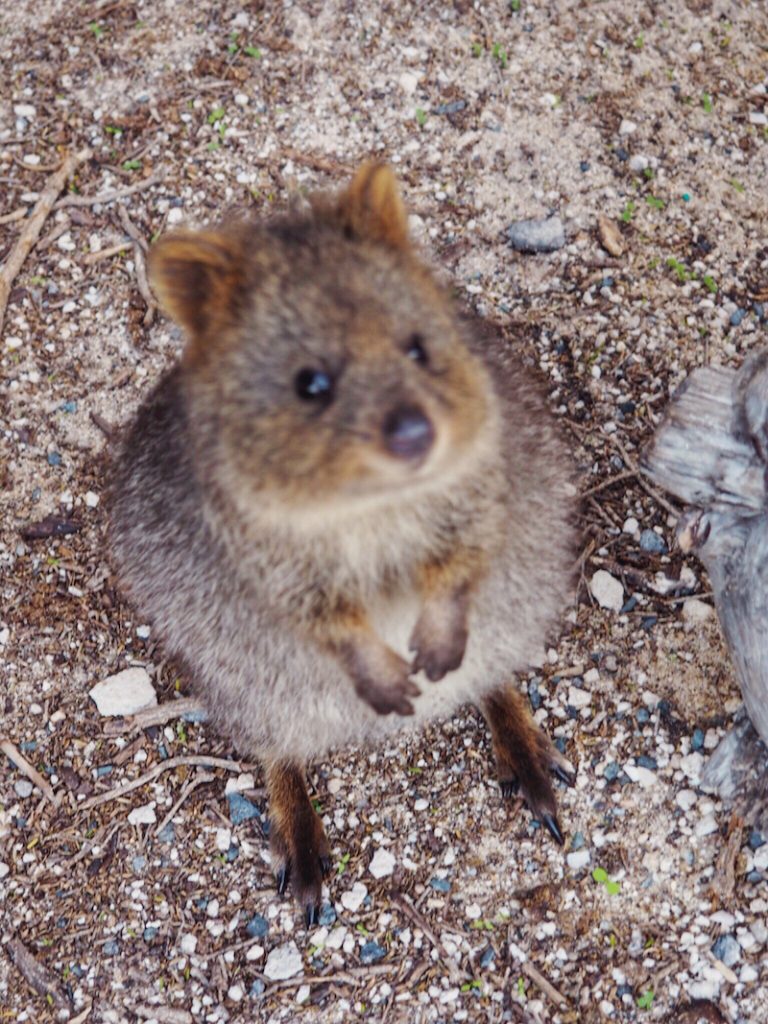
x=408, y=432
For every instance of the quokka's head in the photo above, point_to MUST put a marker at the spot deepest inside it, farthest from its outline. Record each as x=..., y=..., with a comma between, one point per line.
x=322, y=361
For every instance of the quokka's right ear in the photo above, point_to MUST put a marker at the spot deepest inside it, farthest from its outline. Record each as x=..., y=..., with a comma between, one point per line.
x=197, y=277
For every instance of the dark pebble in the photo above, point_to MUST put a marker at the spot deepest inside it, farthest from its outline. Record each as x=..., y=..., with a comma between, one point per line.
x=577, y=841
x=111, y=947
x=162, y=751
x=584, y=166
x=440, y=884
x=68, y=407
x=168, y=833
x=488, y=957
x=232, y=853
x=727, y=949
x=737, y=316
x=627, y=408
x=624, y=990
x=560, y=743
x=258, y=927
x=759, y=310
x=533, y=694
x=257, y=989
x=648, y=622
x=450, y=108
x=756, y=840
x=697, y=740
x=755, y=877
x=78, y=970
x=139, y=863
x=645, y=761
x=54, y=459
x=149, y=933
x=201, y=903
x=371, y=952
x=651, y=541
x=36, y=494
x=630, y=605
x=240, y=809
x=607, y=282
x=611, y=771
x=62, y=922
x=327, y=915
x=546, y=235
x=643, y=715
x=103, y=769
x=622, y=154
x=28, y=746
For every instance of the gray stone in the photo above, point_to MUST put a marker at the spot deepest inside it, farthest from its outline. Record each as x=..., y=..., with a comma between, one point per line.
x=545, y=235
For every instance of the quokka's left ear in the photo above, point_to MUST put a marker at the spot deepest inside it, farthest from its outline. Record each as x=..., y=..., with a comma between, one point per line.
x=371, y=207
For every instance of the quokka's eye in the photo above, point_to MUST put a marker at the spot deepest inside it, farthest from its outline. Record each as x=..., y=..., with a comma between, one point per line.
x=313, y=385
x=415, y=349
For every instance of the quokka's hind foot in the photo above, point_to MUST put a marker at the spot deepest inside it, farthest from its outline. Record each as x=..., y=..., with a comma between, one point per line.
x=300, y=852
x=525, y=757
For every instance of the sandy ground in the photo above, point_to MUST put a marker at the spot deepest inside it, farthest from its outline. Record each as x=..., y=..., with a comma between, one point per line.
x=650, y=114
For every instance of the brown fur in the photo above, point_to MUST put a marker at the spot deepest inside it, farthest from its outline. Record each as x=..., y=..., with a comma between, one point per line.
x=319, y=584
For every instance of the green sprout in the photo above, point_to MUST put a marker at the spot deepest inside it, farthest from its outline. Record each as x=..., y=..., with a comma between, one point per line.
x=683, y=274
x=639, y=42
x=654, y=202
x=341, y=867
x=499, y=54
x=600, y=875
x=706, y=102
x=628, y=212
x=252, y=51
x=96, y=29
x=477, y=49
x=421, y=117
x=645, y=1001
x=132, y=165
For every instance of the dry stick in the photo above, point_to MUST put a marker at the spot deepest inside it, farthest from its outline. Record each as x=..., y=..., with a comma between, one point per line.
x=401, y=900
x=111, y=194
x=9, y=218
x=629, y=461
x=546, y=987
x=139, y=248
x=37, y=975
x=164, y=766
x=154, y=716
x=34, y=225
x=608, y=483
x=103, y=254
x=356, y=976
x=26, y=768
x=199, y=780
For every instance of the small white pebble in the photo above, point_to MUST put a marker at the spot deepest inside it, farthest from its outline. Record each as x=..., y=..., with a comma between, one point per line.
x=382, y=863
x=143, y=815
x=188, y=944
x=91, y=499
x=578, y=859
x=223, y=839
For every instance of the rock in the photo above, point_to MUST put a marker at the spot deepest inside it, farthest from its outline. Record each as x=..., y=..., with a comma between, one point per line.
x=579, y=698
x=440, y=884
x=627, y=127
x=727, y=950
x=638, y=163
x=237, y=784
x=686, y=799
x=545, y=235
x=652, y=542
x=188, y=944
x=283, y=962
x=578, y=859
x=697, y=612
x=371, y=952
x=642, y=776
x=607, y=590
x=241, y=809
x=124, y=693
x=23, y=788
x=257, y=927
x=223, y=839
x=610, y=236
x=705, y=826
x=327, y=915
x=142, y=815
x=353, y=898
x=382, y=864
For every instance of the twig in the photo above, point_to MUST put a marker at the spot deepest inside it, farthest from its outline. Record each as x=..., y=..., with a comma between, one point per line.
x=155, y=716
x=37, y=975
x=139, y=248
x=541, y=982
x=104, y=426
x=164, y=766
x=26, y=768
x=9, y=218
x=356, y=976
x=110, y=195
x=199, y=780
x=34, y=225
x=608, y=483
x=103, y=254
x=629, y=461
x=401, y=900
x=56, y=232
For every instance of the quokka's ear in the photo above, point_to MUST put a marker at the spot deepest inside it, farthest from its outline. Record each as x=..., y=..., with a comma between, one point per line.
x=371, y=207
x=197, y=277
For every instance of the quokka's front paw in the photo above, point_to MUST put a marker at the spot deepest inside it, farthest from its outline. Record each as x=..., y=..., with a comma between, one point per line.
x=439, y=640
x=386, y=685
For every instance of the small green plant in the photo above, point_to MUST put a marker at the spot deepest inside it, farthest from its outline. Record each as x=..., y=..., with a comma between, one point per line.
x=483, y=925
x=96, y=29
x=600, y=875
x=341, y=867
x=232, y=46
x=499, y=54
x=709, y=283
x=521, y=987
x=515, y=5
x=216, y=115
x=648, y=173
x=628, y=212
x=735, y=183
x=468, y=986
x=181, y=732
x=132, y=165
x=655, y=203
x=317, y=805
x=252, y=51
x=421, y=117
x=639, y=42
x=683, y=274
x=477, y=49
x=645, y=1001
x=706, y=102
